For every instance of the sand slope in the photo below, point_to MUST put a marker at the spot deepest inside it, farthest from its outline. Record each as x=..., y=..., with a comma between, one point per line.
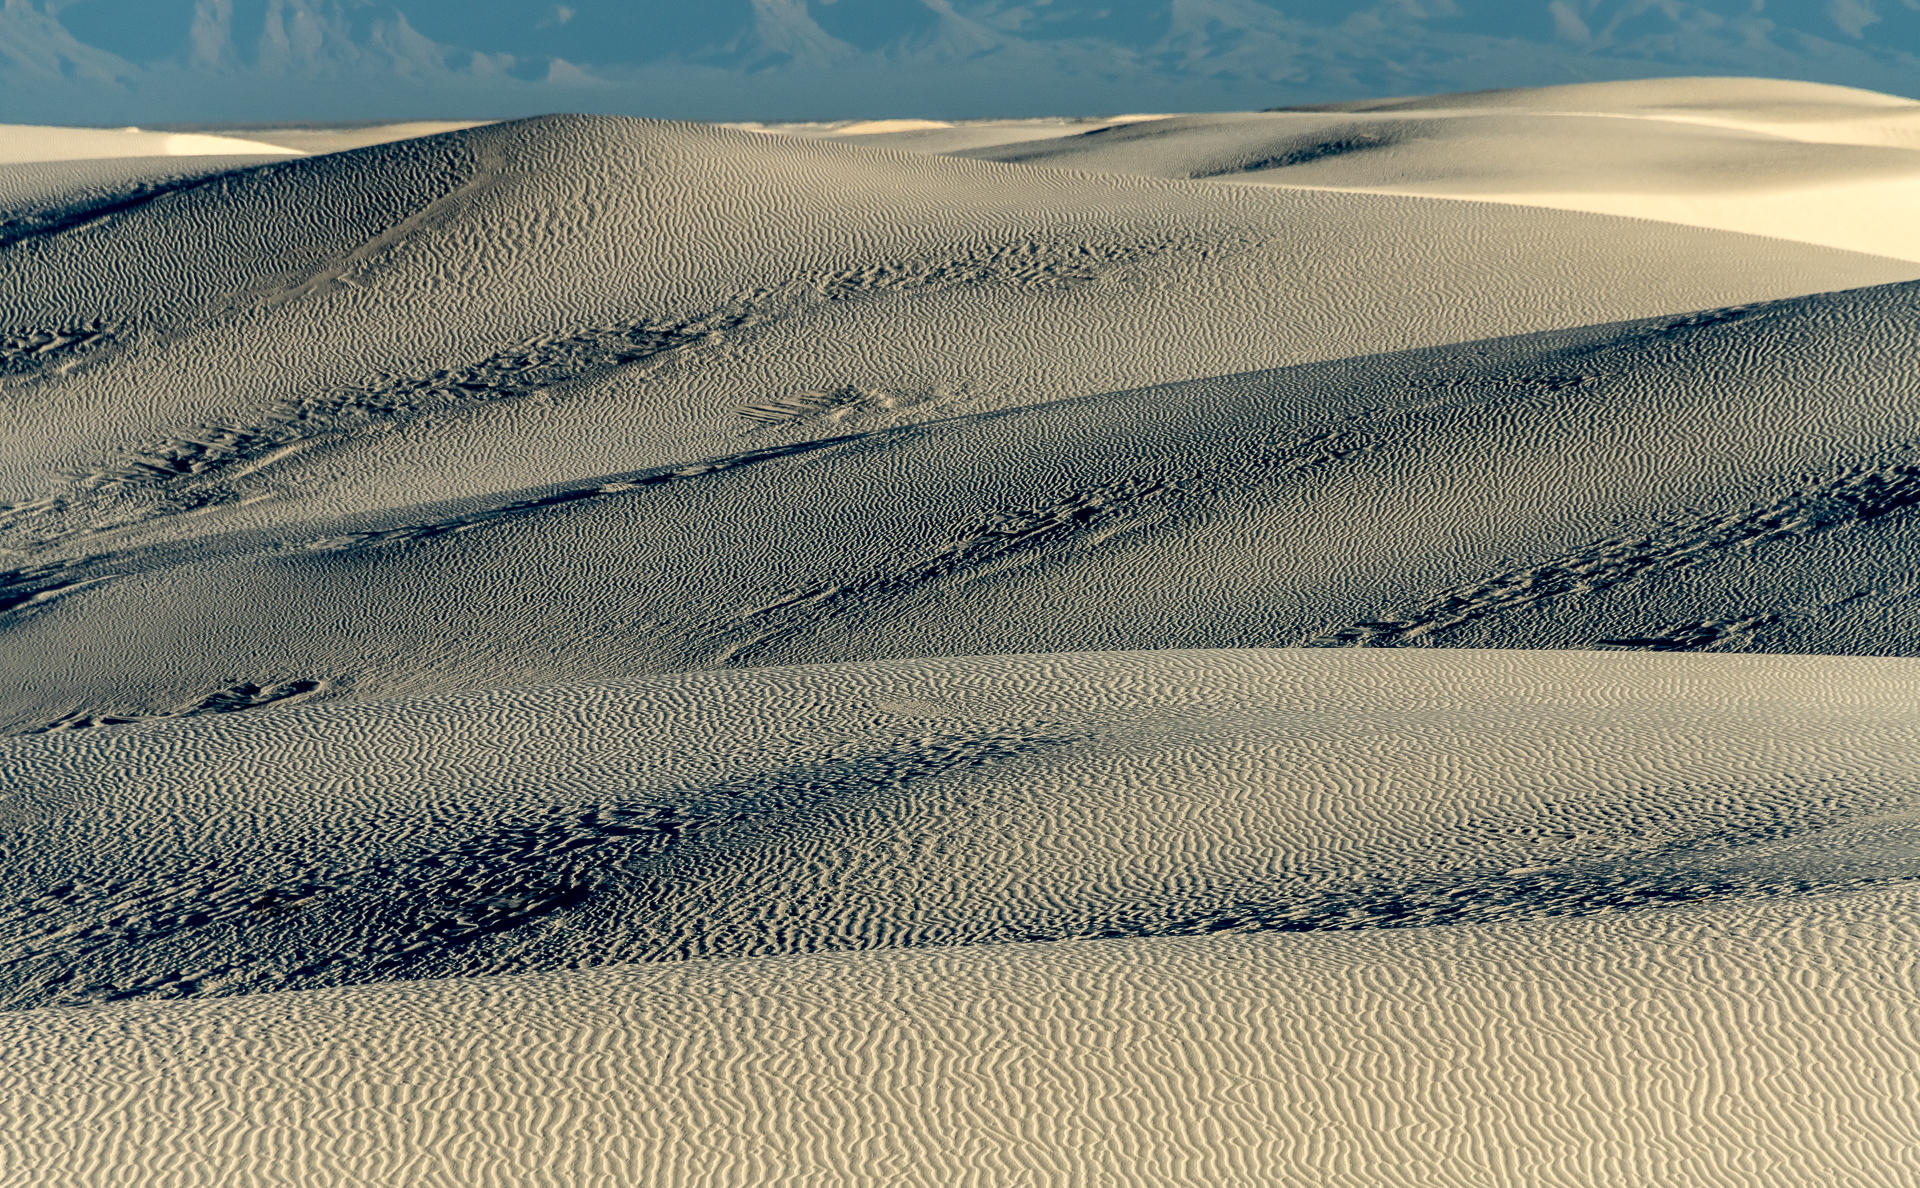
x=337, y=139
x=1816, y=164
x=587, y=651
x=1742, y=479
x=493, y=309
x=23, y=143
x=1767, y=1037
x=938, y=803
x=1769, y=1045
x=1816, y=112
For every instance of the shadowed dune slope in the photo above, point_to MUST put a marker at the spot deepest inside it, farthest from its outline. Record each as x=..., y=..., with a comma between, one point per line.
x=516, y=304
x=941, y=802
x=1743, y=479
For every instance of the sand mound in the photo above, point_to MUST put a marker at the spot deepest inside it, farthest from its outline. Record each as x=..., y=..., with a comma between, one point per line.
x=933, y=136
x=342, y=138
x=1767, y=1038
x=1807, y=111
x=676, y=603
x=1742, y=479
x=492, y=309
x=1816, y=164
x=1764, y=1045
x=950, y=802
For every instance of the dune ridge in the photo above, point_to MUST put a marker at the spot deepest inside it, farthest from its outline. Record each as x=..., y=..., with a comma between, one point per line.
x=1815, y=164
x=1361, y=645
x=594, y=235
x=1741, y=479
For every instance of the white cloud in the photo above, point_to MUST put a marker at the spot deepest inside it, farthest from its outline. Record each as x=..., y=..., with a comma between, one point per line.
x=1567, y=25
x=1851, y=16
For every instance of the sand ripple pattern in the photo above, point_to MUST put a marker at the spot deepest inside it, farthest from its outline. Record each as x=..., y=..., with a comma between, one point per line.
x=600, y=651
x=1741, y=478
x=940, y=803
x=1770, y=1045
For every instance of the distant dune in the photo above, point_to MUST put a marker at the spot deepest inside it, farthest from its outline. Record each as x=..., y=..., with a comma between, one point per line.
x=20, y=144
x=591, y=650
x=1817, y=164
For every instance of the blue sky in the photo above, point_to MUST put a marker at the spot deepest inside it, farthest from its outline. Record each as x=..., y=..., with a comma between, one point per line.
x=156, y=61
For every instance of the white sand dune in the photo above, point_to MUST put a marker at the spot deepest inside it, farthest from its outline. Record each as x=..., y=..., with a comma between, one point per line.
x=1816, y=112
x=605, y=651
x=341, y=138
x=20, y=143
x=1816, y=164
x=943, y=802
x=1744, y=479
x=54, y=179
x=943, y=136
x=1738, y=1046
x=1756, y=1024
x=493, y=309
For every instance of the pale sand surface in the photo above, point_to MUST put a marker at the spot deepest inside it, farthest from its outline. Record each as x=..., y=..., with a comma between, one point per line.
x=1858, y=197
x=20, y=143
x=350, y=136
x=1817, y=164
x=943, y=802
x=604, y=651
x=1758, y=1025
x=1739, y=1045
x=1739, y=480
x=482, y=311
x=942, y=136
x=1808, y=111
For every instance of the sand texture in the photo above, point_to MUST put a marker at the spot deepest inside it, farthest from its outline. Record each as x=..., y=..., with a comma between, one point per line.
x=1767, y=1044
x=1361, y=645
x=970, y=801
x=1815, y=164
x=1741, y=479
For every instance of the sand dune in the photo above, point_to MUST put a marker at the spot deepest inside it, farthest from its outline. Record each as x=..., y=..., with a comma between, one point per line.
x=1824, y=165
x=50, y=197
x=352, y=136
x=950, y=802
x=489, y=310
x=1742, y=480
x=1741, y=1044
x=1767, y=1037
x=609, y=651
x=1815, y=112
x=381, y=344
x=21, y=143
x=942, y=136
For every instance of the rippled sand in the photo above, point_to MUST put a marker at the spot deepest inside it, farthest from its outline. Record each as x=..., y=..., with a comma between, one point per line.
x=1364, y=645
